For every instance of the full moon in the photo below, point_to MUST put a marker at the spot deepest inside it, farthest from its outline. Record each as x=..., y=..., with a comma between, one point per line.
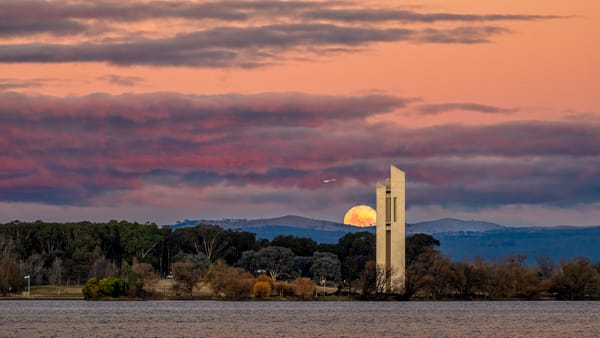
x=361, y=216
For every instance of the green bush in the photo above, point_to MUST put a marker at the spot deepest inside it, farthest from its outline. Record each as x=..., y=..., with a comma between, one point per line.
x=106, y=287
x=91, y=289
x=112, y=287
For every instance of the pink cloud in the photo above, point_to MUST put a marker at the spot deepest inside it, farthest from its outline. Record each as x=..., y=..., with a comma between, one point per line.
x=83, y=148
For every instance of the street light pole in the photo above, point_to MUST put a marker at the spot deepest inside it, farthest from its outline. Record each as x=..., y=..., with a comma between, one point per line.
x=28, y=277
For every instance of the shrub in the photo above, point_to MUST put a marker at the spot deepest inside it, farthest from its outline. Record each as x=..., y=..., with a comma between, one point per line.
x=111, y=287
x=265, y=278
x=227, y=281
x=263, y=285
x=576, y=280
x=186, y=274
x=240, y=286
x=261, y=289
x=91, y=289
x=283, y=289
x=304, y=288
x=106, y=287
x=145, y=276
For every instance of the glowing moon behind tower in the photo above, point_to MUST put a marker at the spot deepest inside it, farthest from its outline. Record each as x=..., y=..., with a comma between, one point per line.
x=361, y=216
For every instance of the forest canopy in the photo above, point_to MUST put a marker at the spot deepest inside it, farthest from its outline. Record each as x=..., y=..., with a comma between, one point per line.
x=120, y=257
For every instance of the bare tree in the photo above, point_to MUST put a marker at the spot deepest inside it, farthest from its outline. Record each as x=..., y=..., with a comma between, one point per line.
x=464, y=279
x=545, y=266
x=210, y=241
x=576, y=280
x=439, y=279
x=368, y=279
x=34, y=267
x=145, y=276
x=375, y=279
x=9, y=268
x=230, y=282
x=186, y=274
x=383, y=278
x=417, y=274
x=56, y=270
x=103, y=267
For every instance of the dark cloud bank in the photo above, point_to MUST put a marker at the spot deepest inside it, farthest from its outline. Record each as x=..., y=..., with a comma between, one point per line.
x=225, y=33
x=72, y=150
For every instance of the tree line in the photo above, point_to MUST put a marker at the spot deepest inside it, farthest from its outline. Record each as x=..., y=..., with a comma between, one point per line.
x=127, y=258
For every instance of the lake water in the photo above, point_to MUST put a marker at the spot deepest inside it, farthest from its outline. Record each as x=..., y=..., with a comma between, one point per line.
x=298, y=319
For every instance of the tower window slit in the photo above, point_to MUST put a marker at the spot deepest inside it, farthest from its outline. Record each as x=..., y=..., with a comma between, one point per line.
x=388, y=211
x=395, y=209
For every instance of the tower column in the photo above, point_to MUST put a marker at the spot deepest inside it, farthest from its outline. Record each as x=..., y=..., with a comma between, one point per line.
x=391, y=230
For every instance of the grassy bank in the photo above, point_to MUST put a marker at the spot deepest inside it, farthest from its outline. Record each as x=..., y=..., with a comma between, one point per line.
x=49, y=292
x=158, y=290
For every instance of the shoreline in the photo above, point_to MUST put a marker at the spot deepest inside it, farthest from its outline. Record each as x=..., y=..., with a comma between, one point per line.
x=278, y=299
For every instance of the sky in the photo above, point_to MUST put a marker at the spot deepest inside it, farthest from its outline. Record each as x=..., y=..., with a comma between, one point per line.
x=161, y=111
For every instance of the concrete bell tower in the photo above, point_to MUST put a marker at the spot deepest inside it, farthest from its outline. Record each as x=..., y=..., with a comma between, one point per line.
x=391, y=230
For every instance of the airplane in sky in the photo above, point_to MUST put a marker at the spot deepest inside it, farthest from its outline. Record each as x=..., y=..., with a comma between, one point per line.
x=328, y=180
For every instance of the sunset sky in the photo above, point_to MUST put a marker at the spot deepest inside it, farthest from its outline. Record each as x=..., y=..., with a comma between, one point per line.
x=168, y=110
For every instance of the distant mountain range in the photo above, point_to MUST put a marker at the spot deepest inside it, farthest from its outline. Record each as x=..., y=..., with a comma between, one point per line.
x=460, y=240
x=319, y=230
x=451, y=225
